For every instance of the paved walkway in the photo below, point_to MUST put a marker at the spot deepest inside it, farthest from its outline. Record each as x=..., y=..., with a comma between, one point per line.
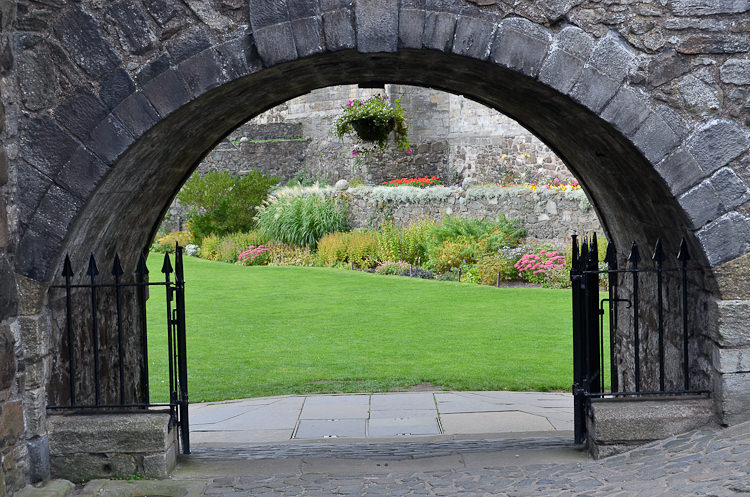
x=379, y=416
x=707, y=462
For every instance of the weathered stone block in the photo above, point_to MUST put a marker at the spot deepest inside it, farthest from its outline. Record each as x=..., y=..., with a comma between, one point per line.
x=3, y=167
x=521, y=45
x=307, y=36
x=701, y=204
x=264, y=13
x=655, y=138
x=732, y=394
x=626, y=111
x=8, y=289
x=594, y=89
x=45, y=145
x=7, y=357
x=116, y=87
x=439, y=30
x=728, y=323
x=443, y=5
x=736, y=72
x=81, y=113
x=410, y=27
x=275, y=43
x=82, y=173
x=32, y=294
x=339, y=30
x=730, y=188
x=731, y=280
x=474, y=37
x=627, y=422
x=136, y=113
x=201, y=72
x=239, y=57
x=85, y=467
x=182, y=48
x=726, y=238
x=11, y=423
x=666, y=66
x=35, y=411
x=731, y=360
x=166, y=92
x=709, y=7
x=299, y=9
x=109, y=139
x=132, y=27
x=717, y=143
x=377, y=25
x=40, y=247
x=680, y=171
x=133, y=433
x=37, y=79
x=152, y=70
x=79, y=34
x=34, y=336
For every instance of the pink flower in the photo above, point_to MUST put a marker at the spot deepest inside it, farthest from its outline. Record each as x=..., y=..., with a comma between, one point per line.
x=354, y=152
x=409, y=151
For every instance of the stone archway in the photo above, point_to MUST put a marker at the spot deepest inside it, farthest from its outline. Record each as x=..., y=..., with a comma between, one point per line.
x=96, y=159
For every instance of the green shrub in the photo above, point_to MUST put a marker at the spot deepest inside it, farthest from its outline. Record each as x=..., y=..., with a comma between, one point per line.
x=166, y=242
x=491, y=264
x=358, y=247
x=392, y=268
x=408, y=244
x=219, y=203
x=451, y=253
x=210, y=247
x=281, y=254
x=332, y=248
x=302, y=220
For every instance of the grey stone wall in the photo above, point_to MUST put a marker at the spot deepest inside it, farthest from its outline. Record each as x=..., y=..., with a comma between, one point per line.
x=550, y=216
x=453, y=137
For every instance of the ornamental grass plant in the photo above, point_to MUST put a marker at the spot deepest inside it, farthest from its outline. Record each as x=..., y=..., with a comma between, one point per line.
x=301, y=221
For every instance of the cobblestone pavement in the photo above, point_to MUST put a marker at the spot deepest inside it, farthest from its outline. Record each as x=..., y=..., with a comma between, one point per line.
x=707, y=462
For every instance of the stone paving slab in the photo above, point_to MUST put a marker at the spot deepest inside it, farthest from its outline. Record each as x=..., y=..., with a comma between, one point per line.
x=493, y=422
x=243, y=437
x=334, y=412
x=404, y=413
x=391, y=401
x=332, y=428
x=401, y=427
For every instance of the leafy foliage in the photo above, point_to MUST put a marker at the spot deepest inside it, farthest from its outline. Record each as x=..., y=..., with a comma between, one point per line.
x=382, y=115
x=301, y=221
x=220, y=203
x=166, y=242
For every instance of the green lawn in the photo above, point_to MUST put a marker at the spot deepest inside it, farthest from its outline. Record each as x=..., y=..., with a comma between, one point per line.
x=256, y=331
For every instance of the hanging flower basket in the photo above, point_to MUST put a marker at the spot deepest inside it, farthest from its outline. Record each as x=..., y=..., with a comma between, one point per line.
x=373, y=120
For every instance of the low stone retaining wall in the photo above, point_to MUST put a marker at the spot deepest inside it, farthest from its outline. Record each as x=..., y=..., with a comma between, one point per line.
x=87, y=446
x=617, y=425
x=550, y=216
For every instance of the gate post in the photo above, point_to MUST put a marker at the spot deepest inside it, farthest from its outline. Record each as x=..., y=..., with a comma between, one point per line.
x=182, y=351
x=579, y=398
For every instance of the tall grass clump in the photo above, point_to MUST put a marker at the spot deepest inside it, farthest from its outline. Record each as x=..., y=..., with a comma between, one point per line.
x=301, y=221
x=409, y=244
x=358, y=247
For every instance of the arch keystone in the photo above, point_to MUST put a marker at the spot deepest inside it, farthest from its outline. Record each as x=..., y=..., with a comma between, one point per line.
x=377, y=25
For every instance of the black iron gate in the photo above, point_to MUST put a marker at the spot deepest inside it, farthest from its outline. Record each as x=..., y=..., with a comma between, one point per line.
x=632, y=294
x=130, y=392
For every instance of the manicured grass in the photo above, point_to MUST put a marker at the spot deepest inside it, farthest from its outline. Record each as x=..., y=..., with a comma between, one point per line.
x=256, y=331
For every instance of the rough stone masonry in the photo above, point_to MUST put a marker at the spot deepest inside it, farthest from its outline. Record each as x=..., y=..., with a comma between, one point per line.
x=107, y=107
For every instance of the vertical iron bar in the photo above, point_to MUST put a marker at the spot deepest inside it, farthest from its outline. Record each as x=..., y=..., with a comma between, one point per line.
x=68, y=274
x=658, y=257
x=683, y=256
x=166, y=269
x=634, y=259
x=593, y=347
x=612, y=284
x=92, y=272
x=141, y=275
x=182, y=350
x=117, y=273
x=579, y=398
